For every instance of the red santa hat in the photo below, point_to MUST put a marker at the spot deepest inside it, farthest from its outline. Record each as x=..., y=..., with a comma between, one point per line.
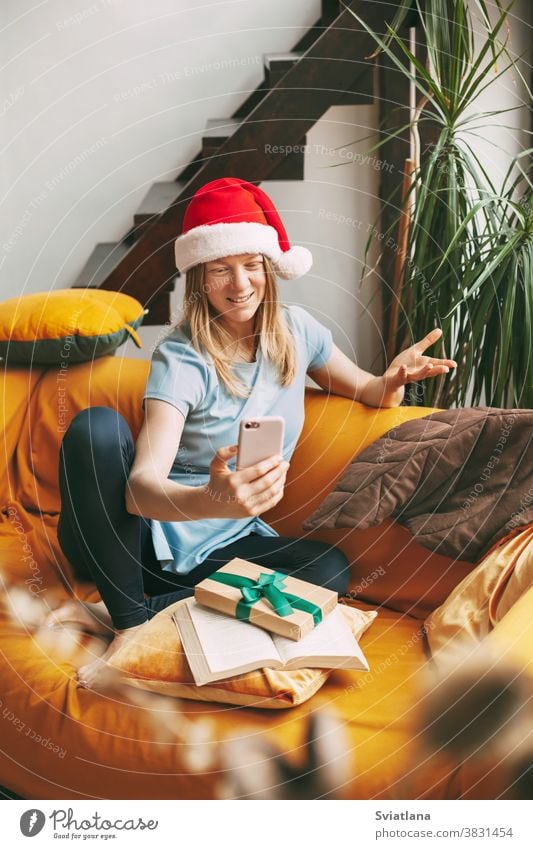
x=230, y=216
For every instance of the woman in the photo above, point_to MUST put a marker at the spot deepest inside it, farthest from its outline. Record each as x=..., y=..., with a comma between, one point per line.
x=158, y=517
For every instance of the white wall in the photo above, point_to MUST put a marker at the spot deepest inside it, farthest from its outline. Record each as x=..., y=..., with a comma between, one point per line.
x=502, y=137
x=101, y=99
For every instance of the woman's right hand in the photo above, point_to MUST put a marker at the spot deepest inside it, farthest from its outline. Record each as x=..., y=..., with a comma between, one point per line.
x=248, y=492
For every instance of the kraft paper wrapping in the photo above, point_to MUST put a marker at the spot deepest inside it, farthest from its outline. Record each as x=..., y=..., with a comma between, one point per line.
x=296, y=625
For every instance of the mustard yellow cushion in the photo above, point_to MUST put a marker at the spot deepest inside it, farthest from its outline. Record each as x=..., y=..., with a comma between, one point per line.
x=482, y=598
x=67, y=326
x=153, y=660
x=516, y=580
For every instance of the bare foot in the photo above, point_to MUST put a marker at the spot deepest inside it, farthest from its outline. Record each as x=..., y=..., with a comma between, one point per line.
x=90, y=674
x=92, y=617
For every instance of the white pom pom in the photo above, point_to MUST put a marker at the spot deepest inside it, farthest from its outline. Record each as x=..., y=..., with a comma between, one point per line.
x=294, y=263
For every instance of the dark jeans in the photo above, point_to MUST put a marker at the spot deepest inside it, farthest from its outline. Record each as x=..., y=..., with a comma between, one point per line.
x=113, y=548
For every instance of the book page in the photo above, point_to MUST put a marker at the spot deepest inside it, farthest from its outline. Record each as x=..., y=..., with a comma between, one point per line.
x=230, y=643
x=331, y=639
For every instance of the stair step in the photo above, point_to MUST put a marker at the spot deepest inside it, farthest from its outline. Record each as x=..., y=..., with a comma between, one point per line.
x=104, y=258
x=215, y=134
x=220, y=129
x=277, y=65
x=283, y=60
x=158, y=198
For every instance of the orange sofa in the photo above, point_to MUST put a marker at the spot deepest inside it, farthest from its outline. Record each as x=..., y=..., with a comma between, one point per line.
x=60, y=741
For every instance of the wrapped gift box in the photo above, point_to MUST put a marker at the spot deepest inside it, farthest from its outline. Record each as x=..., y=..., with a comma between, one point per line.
x=276, y=602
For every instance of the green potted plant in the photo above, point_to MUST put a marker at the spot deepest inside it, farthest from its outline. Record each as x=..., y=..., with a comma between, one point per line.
x=469, y=246
x=493, y=318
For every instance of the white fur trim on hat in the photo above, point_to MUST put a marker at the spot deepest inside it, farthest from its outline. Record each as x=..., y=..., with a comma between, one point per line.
x=214, y=241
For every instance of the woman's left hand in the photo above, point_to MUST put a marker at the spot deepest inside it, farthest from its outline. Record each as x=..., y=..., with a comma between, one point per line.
x=412, y=365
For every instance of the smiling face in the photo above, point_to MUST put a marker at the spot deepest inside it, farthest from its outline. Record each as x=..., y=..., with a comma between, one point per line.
x=235, y=286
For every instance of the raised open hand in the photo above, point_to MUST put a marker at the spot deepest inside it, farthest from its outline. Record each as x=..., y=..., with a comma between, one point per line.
x=412, y=364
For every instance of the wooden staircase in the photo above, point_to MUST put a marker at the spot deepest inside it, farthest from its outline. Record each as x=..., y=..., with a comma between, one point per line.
x=326, y=67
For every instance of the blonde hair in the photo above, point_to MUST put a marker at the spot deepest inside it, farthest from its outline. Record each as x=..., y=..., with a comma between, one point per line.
x=208, y=335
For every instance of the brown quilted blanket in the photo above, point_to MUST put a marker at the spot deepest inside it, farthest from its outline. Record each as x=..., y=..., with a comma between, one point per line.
x=458, y=479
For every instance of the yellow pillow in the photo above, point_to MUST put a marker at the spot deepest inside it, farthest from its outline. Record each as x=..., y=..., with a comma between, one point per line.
x=67, y=325
x=153, y=660
x=482, y=598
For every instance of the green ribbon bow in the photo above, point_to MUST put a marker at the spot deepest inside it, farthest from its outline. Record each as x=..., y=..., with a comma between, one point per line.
x=270, y=586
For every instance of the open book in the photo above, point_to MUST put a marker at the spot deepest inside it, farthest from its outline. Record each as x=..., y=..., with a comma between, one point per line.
x=218, y=646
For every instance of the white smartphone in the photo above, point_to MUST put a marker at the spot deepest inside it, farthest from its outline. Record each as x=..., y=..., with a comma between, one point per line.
x=259, y=438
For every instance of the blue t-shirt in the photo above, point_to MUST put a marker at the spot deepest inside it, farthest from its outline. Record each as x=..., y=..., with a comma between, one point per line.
x=187, y=380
